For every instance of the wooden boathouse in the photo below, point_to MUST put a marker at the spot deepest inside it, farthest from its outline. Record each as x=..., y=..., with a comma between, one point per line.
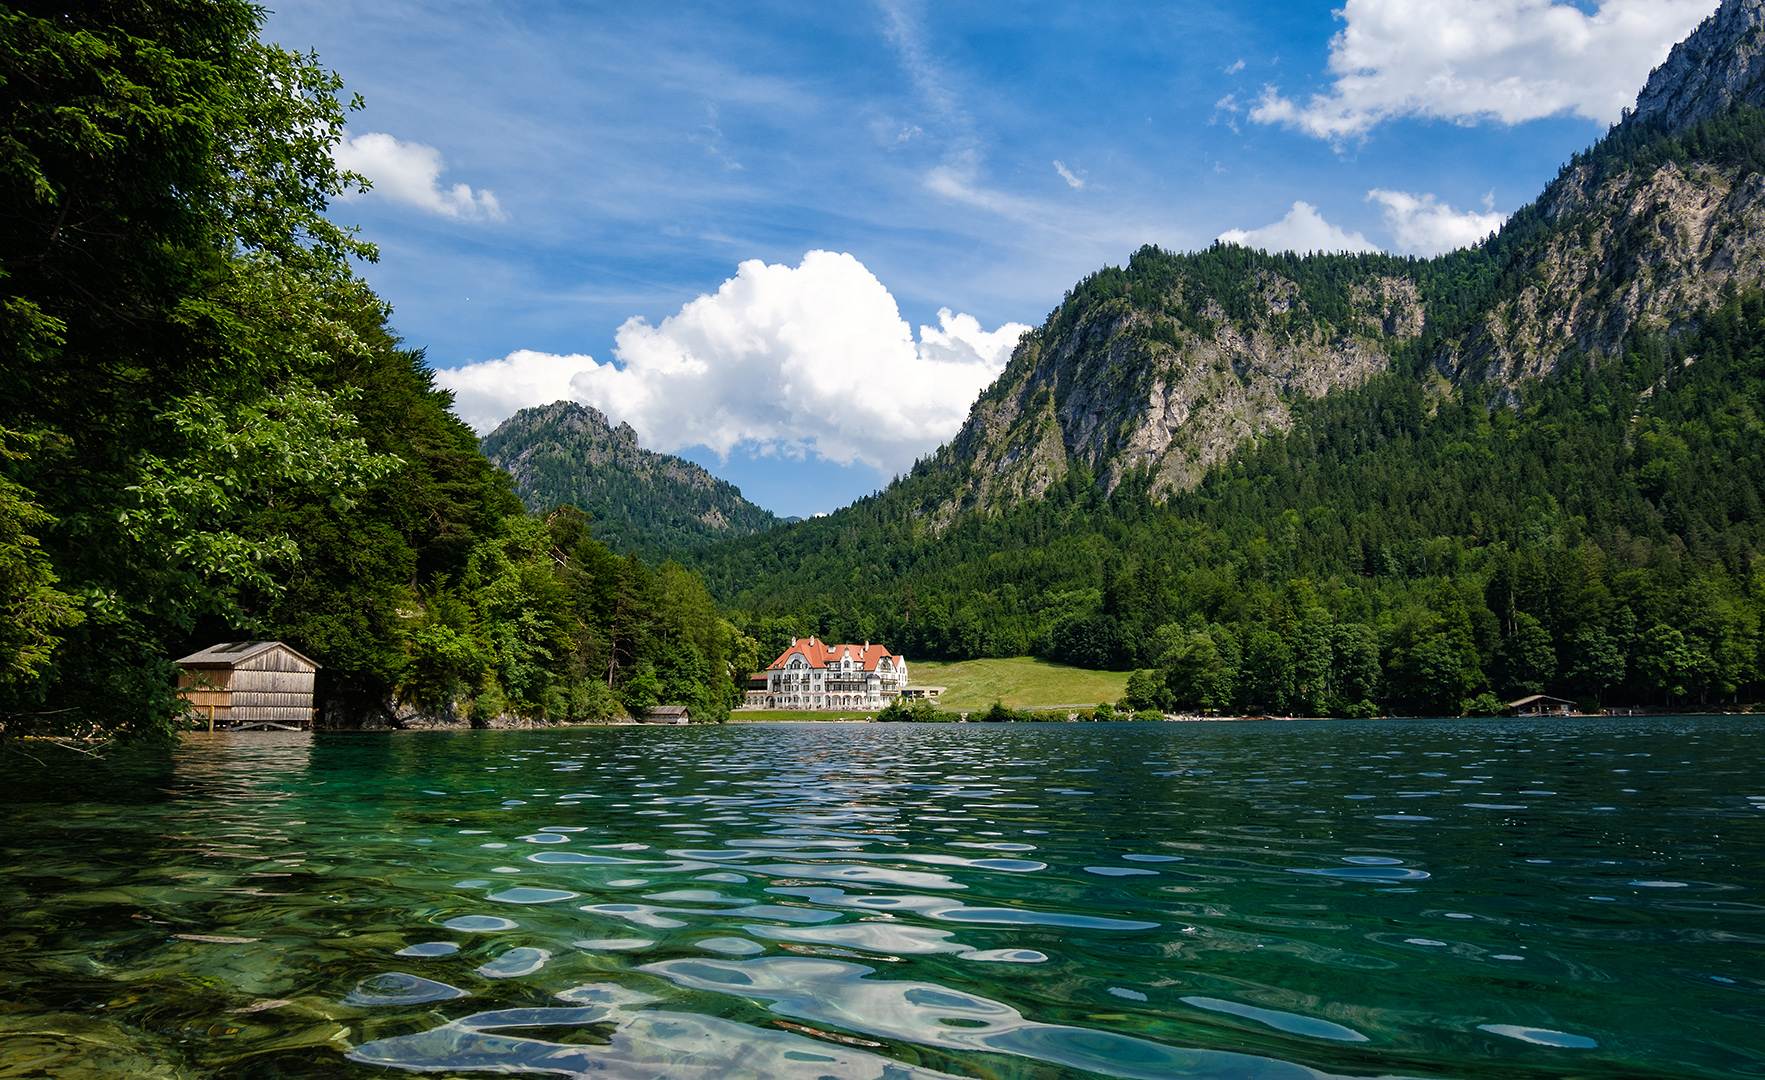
x=1542, y=705
x=242, y=684
x=666, y=714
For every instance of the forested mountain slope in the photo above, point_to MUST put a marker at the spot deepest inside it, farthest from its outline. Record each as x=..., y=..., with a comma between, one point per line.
x=565, y=454
x=1332, y=483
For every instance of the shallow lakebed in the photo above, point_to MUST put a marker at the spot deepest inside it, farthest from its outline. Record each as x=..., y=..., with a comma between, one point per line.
x=1489, y=898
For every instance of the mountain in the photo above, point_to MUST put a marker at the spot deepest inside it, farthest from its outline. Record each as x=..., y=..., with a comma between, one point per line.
x=1532, y=464
x=1174, y=363
x=568, y=454
x=1717, y=67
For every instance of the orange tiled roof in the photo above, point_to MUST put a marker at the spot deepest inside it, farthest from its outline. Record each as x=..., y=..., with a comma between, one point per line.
x=819, y=654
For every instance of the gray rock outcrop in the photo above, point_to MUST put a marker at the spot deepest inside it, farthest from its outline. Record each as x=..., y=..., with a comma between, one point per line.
x=1722, y=62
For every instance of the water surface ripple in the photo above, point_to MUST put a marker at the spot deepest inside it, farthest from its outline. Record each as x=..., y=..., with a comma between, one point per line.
x=1463, y=899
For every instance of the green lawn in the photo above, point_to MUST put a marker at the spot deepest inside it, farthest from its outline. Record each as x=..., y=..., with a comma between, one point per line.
x=1022, y=682
x=760, y=716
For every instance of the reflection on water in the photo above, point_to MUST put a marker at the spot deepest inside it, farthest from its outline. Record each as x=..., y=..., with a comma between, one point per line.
x=1441, y=899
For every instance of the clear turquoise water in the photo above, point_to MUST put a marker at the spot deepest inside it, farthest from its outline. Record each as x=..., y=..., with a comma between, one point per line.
x=1428, y=898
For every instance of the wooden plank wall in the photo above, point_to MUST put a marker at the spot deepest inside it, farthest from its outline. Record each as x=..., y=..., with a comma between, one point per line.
x=248, y=681
x=277, y=659
x=273, y=687
x=299, y=714
x=273, y=697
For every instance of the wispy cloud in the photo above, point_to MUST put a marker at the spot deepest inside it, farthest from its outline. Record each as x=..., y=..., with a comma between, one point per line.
x=410, y=173
x=957, y=183
x=1228, y=108
x=1505, y=60
x=712, y=139
x=959, y=175
x=906, y=33
x=1235, y=68
x=1066, y=174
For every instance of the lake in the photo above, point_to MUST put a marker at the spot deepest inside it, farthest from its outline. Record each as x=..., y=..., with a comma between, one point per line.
x=1448, y=898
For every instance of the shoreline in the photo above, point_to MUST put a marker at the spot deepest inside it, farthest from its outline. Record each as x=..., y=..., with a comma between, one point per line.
x=740, y=716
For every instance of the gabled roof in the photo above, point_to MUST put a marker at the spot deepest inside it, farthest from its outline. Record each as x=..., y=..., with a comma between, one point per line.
x=234, y=653
x=1537, y=699
x=819, y=654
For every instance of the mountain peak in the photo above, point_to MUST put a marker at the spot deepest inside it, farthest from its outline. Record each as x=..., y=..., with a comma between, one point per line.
x=566, y=453
x=1720, y=64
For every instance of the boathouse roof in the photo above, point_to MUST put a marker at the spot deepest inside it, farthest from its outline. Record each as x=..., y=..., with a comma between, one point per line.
x=1539, y=699
x=248, y=654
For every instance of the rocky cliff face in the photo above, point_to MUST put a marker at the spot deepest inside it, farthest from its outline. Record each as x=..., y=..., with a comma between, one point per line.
x=565, y=454
x=1719, y=65
x=1171, y=366
x=1127, y=388
x=1641, y=249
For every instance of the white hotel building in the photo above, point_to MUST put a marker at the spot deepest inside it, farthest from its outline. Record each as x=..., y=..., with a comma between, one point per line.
x=812, y=674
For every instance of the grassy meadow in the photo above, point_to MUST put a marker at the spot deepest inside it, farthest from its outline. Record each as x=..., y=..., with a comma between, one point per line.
x=1021, y=682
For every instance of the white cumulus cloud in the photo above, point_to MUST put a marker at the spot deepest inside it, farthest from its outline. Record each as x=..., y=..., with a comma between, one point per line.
x=807, y=360
x=1423, y=225
x=487, y=393
x=1302, y=230
x=1470, y=60
x=410, y=172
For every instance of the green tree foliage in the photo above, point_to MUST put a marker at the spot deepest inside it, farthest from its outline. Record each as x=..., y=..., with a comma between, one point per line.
x=1145, y=690
x=997, y=713
x=1526, y=661
x=923, y=712
x=211, y=432
x=166, y=277
x=32, y=609
x=1198, y=674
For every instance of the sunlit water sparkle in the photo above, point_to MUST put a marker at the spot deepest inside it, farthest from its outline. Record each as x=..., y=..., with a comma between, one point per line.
x=1417, y=898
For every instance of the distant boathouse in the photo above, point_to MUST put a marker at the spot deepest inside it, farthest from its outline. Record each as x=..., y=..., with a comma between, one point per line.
x=1542, y=705
x=241, y=684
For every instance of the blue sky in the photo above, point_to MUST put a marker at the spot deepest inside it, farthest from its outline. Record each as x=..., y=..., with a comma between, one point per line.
x=792, y=241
